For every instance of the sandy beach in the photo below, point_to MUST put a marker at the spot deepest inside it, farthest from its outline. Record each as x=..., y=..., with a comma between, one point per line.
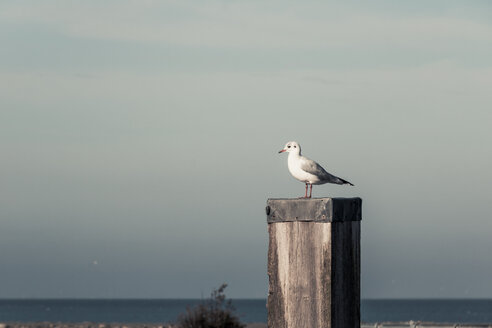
x=409, y=324
x=98, y=325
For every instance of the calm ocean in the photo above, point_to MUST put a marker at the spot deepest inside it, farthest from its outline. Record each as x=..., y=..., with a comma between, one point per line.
x=153, y=311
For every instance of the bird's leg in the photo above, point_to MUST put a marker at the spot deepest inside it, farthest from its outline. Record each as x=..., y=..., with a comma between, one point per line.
x=310, y=190
x=305, y=195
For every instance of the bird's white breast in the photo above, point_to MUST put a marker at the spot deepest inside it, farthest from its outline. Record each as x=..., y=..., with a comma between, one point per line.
x=294, y=164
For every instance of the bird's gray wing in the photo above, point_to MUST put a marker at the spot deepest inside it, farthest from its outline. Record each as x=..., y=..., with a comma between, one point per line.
x=314, y=168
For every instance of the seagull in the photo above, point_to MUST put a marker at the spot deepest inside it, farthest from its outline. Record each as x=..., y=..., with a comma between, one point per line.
x=307, y=170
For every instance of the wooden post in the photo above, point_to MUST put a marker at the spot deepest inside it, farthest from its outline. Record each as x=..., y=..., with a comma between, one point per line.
x=314, y=262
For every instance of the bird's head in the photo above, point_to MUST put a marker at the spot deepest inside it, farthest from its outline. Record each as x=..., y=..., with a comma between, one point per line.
x=291, y=147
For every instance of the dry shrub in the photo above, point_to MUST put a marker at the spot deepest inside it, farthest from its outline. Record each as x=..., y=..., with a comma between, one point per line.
x=215, y=312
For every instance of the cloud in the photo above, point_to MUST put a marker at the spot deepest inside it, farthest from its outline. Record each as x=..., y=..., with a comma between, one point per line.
x=252, y=25
x=112, y=111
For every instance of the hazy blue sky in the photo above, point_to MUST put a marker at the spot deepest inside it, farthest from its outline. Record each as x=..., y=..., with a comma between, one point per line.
x=139, y=141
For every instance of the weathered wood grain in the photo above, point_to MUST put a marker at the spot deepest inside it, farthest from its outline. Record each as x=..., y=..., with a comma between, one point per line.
x=314, y=263
x=314, y=209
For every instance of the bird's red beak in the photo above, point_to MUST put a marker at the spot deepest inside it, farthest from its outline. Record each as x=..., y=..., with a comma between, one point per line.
x=283, y=150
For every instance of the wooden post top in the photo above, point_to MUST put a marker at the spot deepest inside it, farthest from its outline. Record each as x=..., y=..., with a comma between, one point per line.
x=314, y=209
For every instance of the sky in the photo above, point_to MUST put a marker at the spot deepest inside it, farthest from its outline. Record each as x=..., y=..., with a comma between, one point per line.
x=139, y=141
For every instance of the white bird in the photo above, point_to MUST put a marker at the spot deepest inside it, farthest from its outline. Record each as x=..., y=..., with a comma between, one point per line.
x=306, y=170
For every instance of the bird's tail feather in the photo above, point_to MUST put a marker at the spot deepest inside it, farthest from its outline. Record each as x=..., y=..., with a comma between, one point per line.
x=345, y=182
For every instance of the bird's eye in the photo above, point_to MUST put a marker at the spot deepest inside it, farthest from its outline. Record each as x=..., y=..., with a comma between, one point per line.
x=288, y=146
x=294, y=146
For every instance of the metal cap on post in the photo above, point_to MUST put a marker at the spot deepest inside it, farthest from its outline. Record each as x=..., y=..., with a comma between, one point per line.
x=314, y=262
